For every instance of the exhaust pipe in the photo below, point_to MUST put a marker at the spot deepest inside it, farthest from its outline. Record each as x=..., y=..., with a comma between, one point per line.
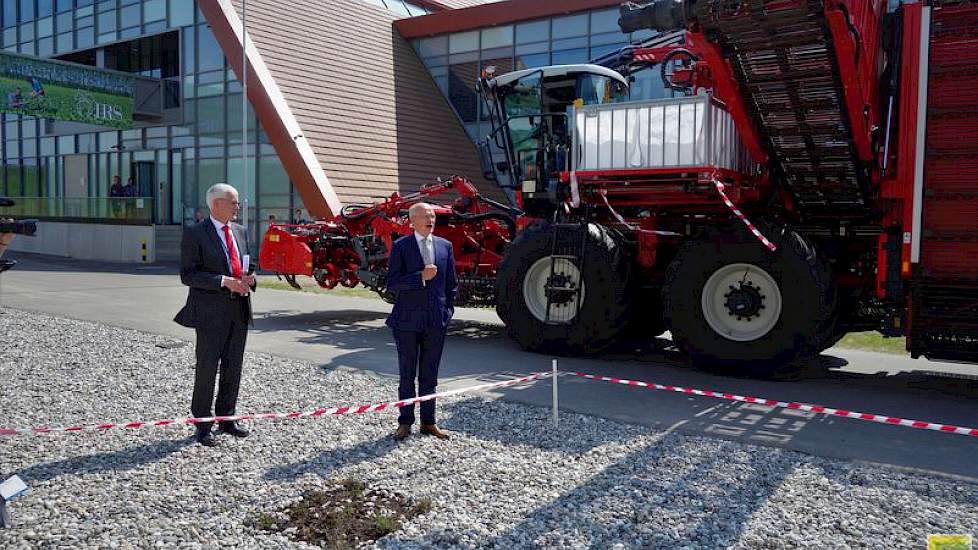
x=660, y=15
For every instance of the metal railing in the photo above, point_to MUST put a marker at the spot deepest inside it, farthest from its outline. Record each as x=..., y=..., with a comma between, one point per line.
x=127, y=209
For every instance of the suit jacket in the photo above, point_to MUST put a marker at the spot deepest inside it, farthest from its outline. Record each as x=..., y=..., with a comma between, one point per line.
x=421, y=304
x=202, y=263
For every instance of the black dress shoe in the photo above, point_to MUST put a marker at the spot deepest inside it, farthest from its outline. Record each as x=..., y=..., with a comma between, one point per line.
x=206, y=439
x=232, y=428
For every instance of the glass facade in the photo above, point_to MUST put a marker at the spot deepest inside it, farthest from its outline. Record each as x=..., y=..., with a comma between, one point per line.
x=64, y=171
x=456, y=60
x=57, y=170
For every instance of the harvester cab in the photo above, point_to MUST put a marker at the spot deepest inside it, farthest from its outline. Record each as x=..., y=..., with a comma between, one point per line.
x=529, y=111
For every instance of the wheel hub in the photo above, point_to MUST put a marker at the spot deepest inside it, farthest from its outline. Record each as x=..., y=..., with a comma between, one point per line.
x=744, y=301
x=555, y=283
x=561, y=289
x=741, y=302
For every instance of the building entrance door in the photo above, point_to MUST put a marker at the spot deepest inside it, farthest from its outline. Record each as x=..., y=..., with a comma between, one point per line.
x=144, y=172
x=76, y=202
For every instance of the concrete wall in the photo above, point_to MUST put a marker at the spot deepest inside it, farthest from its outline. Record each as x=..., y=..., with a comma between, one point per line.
x=110, y=243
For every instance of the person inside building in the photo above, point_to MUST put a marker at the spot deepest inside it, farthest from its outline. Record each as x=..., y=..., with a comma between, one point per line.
x=299, y=219
x=115, y=194
x=15, y=99
x=129, y=190
x=115, y=190
x=37, y=90
x=198, y=216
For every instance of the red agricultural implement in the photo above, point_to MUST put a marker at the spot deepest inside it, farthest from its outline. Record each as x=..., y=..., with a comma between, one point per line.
x=814, y=173
x=352, y=249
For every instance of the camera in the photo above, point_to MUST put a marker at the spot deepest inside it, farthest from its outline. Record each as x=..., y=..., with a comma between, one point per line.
x=18, y=227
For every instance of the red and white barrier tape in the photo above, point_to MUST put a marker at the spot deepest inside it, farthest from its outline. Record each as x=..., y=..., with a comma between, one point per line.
x=332, y=411
x=740, y=215
x=948, y=428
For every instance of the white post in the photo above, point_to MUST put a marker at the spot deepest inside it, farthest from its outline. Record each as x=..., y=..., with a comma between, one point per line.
x=244, y=113
x=553, y=378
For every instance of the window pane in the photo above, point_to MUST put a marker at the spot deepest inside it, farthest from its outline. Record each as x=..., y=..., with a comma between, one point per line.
x=64, y=5
x=106, y=21
x=532, y=60
x=153, y=10
x=27, y=48
x=130, y=16
x=26, y=9
x=497, y=37
x=397, y=7
x=187, y=44
x=65, y=42
x=45, y=27
x=209, y=52
x=605, y=21
x=210, y=115
x=65, y=22
x=9, y=14
x=107, y=37
x=27, y=32
x=571, y=25
x=45, y=8
x=415, y=9
x=570, y=57
x=461, y=90
x=181, y=13
x=533, y=32
x=433, y=46
x=463, y=42
x=569, y=43
x=45, y=47
x=86, y=37
x=598, y=51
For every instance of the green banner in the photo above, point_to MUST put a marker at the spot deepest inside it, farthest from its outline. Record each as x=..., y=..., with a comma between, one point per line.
x=65, y=91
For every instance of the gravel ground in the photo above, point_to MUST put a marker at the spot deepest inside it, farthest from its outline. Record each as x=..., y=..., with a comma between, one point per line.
x=505, y=480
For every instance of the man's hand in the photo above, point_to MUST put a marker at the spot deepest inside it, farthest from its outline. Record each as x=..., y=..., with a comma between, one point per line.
x=236, y=286
x=249, y=279
x=429, y=272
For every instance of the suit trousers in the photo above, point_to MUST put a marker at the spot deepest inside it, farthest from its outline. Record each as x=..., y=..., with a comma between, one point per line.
x=220, y=344
x=418, y=355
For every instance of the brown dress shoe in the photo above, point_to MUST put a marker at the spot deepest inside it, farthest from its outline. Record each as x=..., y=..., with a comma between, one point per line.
x=403, y=430
x=432, y=429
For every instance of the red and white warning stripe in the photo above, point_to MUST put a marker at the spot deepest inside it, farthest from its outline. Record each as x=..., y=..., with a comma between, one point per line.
x=948, y=428
x=332, y=411
x=740, y=215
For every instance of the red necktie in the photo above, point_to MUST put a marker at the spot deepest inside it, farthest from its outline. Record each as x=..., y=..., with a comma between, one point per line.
x=232, y=253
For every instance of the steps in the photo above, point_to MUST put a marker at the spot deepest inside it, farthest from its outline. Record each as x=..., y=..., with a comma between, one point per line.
x=168, y=242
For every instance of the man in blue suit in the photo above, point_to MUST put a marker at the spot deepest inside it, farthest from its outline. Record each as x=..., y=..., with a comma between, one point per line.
x=421, y=273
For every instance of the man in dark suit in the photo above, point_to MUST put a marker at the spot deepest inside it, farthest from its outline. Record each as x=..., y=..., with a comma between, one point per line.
x=218, y=306
x=422, y=276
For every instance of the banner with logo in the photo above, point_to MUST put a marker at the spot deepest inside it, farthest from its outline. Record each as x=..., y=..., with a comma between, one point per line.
x=65, y=91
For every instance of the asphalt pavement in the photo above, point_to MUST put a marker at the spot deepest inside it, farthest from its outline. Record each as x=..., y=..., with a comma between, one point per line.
x=348, y=333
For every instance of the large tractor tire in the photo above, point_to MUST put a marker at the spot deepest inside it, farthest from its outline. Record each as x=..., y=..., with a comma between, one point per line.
x=732, y=304
x=521, y=297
